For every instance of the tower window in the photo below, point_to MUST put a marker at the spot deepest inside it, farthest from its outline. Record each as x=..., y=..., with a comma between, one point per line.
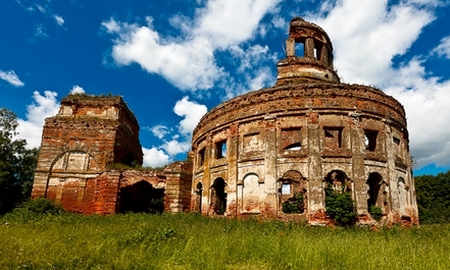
x=300, y=49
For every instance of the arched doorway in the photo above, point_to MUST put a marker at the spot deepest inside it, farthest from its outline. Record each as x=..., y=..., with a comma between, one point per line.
x=141, y=198
x=218, y=202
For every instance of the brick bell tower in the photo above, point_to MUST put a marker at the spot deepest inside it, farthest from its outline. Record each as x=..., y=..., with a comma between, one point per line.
x=87, y=134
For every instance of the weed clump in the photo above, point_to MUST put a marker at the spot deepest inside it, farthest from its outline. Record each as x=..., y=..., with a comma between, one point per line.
x=376, y=212
x=294, y=205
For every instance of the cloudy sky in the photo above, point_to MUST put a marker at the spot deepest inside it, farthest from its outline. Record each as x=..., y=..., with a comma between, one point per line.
x=174, y=60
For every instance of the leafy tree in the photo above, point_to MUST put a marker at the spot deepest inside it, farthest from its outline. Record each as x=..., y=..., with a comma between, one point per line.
x=17, y=164
x=433, y=198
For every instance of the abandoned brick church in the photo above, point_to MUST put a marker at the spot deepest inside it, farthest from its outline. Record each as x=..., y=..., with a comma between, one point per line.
x=252, y=156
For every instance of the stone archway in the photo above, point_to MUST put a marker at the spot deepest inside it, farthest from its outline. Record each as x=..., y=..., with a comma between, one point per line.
x=218, y=197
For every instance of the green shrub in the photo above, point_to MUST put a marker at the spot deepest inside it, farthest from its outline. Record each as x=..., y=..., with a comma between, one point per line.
x=34, y=209
x=294, y=204
x=340, y=208
x=376, y=212
x=42, y=206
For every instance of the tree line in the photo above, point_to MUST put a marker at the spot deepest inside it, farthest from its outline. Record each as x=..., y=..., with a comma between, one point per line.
x=433, y=197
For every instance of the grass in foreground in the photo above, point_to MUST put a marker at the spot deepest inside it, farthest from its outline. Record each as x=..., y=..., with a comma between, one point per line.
x=187, y=241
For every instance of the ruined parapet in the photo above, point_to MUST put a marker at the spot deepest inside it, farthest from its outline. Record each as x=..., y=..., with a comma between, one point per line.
x=309, y=55
x=290, y=144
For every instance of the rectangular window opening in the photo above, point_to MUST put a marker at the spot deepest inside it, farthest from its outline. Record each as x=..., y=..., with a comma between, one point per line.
x=318, y=51
x=286, y=188
x=396, y=141
x=370, y=139
x=201, y=157
x=333, y=137
x=299, y=49
x=221, y=149
x=291, y=139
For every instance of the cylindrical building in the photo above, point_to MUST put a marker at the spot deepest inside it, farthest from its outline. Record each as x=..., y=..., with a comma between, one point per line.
x=274, y=153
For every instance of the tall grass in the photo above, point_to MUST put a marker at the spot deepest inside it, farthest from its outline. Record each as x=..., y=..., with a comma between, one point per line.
x=187, y=241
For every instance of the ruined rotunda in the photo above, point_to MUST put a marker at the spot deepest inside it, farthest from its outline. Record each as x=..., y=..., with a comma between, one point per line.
x=306, y=134
x=255, y=155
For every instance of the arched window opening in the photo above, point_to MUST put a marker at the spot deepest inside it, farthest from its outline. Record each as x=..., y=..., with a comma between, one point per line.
x=218, y=202
x=292, y=193
x=337, y=182
x=374, y=183
x=251, y=194
x=338, y=199
x=141, y=197
x=377, y=195
x=402, y=195
x=198, y=197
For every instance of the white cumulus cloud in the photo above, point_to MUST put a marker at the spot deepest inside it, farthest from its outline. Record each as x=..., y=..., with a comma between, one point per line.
x=43, y=106
x=11, y=77
x=180, y=142
x=77, y=90
x=192, y=112
x=366, y=43
x=189, y=62
x=154, y=157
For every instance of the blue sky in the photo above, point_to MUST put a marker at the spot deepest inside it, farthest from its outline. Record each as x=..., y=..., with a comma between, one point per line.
x=173, y=60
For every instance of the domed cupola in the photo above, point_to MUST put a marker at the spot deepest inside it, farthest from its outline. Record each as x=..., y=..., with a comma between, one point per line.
x=309, y=55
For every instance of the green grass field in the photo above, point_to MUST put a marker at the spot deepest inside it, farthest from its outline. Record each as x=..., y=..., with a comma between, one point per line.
x=187, y=241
